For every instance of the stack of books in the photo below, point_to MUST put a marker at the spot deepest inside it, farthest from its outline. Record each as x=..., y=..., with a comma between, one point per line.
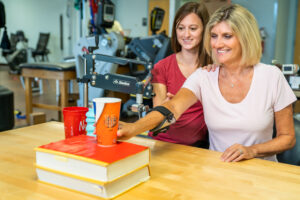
x=79, y=164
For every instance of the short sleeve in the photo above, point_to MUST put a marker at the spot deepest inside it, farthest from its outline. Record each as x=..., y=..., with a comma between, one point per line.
x=159, y=74
x=284, y=94
x=193, y=83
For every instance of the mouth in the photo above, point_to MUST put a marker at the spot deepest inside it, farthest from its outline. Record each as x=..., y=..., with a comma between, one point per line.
x=222, y=51
x=187, y=40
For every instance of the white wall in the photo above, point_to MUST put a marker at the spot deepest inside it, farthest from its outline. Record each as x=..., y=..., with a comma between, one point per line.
x=130, y=13
x=35, y=16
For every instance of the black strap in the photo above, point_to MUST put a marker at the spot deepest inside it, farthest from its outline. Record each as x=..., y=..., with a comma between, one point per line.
x=169, y=117
x=163, y=110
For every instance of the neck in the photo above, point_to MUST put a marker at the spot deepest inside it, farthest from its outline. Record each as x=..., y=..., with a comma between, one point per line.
x=188, y=58
x=234, y=69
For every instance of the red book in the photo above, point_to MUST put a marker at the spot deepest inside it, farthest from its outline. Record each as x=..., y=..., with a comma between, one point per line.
x=86, y=146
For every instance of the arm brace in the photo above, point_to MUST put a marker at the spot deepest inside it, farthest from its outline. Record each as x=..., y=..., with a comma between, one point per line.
x=168, y=120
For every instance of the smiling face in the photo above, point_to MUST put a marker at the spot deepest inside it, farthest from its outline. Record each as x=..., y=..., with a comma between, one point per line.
x=225, y=45
x=189, y=32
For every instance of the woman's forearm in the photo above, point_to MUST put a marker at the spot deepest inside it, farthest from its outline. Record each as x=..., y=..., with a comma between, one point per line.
x=148, y=122
x=285, y=138
x=274, y=146
x=182, y=101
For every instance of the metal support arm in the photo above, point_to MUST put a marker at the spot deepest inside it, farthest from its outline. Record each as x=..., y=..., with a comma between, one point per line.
x=118, y=82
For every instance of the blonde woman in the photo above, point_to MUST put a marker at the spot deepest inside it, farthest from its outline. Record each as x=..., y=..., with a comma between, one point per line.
x=240, y=99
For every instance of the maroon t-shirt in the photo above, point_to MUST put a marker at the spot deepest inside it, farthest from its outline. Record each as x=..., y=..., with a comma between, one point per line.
x=190, y=128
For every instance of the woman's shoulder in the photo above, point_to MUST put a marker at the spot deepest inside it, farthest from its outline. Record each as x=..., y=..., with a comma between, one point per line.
x=204, y=72
x=203, y=75
x=267, y=68
x=166, y=64
x=167, y=60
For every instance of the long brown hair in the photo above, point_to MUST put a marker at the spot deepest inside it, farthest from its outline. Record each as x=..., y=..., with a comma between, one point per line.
x=201, y=11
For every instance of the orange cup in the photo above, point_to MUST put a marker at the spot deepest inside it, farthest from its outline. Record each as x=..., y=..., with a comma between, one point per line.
x=75, y=121
x=107, y=113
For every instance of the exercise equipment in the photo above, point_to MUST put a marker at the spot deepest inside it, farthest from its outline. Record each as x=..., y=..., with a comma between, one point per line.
x=102, y=17
x=149, y=49
x=2, y=15
x=17, y=51
x=7, y=118
x=117, y=82
x=106, y=44
x=156, y=47
x=156, y=19
x=41, y=50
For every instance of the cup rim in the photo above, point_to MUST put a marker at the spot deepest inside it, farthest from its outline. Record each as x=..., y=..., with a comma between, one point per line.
x=75, y=109
x=107, y=100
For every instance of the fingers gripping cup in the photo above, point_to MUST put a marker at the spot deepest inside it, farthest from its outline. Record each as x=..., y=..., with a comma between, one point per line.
x=74, y=121
x=107, y=113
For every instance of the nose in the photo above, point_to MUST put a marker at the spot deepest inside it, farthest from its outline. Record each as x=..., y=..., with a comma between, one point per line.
x=186, y=32
x=217, y=42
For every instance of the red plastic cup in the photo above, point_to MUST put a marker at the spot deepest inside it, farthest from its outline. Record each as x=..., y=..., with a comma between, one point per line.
x=75, y=121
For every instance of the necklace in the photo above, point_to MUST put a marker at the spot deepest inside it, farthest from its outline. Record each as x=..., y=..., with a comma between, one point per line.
x=231, y=83
x=228, y=79
x=241, y=78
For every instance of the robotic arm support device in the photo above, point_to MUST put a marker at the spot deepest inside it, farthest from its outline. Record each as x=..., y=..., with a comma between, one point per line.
x=117, y=82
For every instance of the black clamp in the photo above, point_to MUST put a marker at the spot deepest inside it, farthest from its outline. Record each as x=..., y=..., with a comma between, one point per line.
x=169, y=118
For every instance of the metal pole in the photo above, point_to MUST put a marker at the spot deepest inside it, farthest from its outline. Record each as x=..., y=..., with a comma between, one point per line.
x=85, y=88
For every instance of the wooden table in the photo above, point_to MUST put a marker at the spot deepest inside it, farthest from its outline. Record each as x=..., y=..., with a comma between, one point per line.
x=177, y=172
x=64, y=76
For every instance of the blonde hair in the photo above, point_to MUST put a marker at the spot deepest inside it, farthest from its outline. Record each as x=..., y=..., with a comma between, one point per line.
x=244, y=26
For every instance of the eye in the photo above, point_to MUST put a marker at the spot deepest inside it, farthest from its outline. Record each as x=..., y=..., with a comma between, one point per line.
x=213, y=35
x=180, y=28
x=227, y=36
x=193, y=28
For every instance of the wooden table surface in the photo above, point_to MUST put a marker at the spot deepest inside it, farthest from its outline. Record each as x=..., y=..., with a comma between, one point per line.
x=177, y=172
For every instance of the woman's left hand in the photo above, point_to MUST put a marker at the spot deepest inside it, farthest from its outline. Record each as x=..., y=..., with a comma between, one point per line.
x=210, y=67
x=237, y=152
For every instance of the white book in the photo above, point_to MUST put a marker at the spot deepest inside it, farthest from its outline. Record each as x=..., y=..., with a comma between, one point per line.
x=93, y=187
x=81, y=156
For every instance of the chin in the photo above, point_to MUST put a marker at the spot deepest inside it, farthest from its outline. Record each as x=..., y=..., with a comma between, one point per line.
x=188, y=46
x=222, y=60
x=219, y=61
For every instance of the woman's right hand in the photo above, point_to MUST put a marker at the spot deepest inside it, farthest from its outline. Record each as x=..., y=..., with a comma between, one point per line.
x=168, y=98
x=125, y=131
